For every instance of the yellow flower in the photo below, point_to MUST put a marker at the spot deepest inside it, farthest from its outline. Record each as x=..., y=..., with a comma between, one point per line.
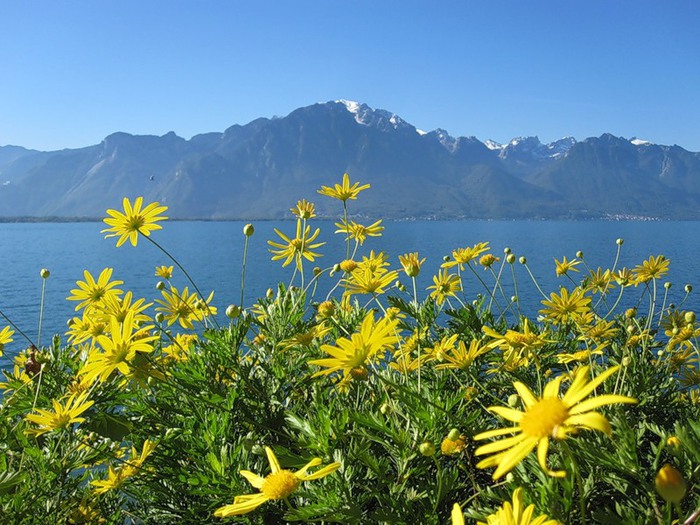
x=165, y=272
x=517, y=514
x=348, y=265
x=133, y=221
x=670, y=484
x=446, y=285
x=304, y=209
x=652, y=268
x=564, y=267
x=457, y=515
x=365, y=280
x=462, y=256
x=180, y=307
x=87, y=327
x=565, y=307
x=294, y=249
x=61, y=416
x=277, y=485
x=117, y=477
x=359, y=232
x=180, y=348
x=345, y=191
x=462, y=357
x=441, y=348
x=581, y=356
x=623, y=277
x=91, y=292
x=451, y=446
x=118, y=350
x=411, y=264
x=119, y=307
x=5, y=337
x=548, y=417
x=599, y=281
x=351, y=356
x=487, y=260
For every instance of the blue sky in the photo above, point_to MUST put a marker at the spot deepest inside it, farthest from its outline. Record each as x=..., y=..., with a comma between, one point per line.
x=75, y=71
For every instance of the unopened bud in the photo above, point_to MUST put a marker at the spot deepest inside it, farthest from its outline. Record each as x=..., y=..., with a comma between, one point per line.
x=160, y=317
x=317, y=271
x=620, y=241
x=667, y=285
x=446, y=258
x=670, y=484
x=248, y=230
x=506, y=250
x=579, y=254
x=625, y=361
x=454, y=434
x=233, y=311
x=427, y=449
x=513, y=298
x=44, y=273
x=160, y=285
x=522, y=260
x=385, y=408
x=689, y=317
x=510, y=258
x=513, y=400
x=688, y=288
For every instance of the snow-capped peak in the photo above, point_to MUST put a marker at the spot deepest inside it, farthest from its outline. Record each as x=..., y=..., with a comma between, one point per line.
x=493, y=145
x=378, y=118
x=639, y=142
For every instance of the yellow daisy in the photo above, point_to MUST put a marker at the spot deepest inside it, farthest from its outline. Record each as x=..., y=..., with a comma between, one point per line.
x=517, y=514
x=345, y=191
x=564, y=307
x=304, y=209
x=358, y=232
x=547, y=417
x=564, y=267
x=462, y=256
x=165, y=272
x=445, y=285
x=302, y=245
x=91, y=293
x=411, y=263
x=61, y=416
x=277, y=485
x=5, y=337
x=351, y=356
x=133, y=221
x=654, y=267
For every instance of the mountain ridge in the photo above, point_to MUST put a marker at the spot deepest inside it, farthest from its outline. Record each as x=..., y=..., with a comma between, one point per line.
x=258, y=171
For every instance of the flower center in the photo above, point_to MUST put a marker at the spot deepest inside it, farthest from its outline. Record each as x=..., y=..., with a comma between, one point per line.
x=280, y=484
x=135, y=223
x=542, y=419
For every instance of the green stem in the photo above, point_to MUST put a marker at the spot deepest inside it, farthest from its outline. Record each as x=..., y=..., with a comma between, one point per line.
x=245, y=257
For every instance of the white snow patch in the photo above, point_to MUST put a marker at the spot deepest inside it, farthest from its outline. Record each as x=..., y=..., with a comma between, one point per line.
x=421, y=132
x=493, y=145
x=640, y=142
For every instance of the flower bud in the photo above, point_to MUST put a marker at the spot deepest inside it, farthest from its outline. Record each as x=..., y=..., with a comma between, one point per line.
x=513, y=400
x=359, y=373
x=513, y=298
x=673, y=442
x=248, y=230
x=688, y=288
x=620, y=241
x=233, y=311
x=317, y=271
x=670, y=484
x=160, y=317
x=522, y=260
x=385, y=408
x=506, y=250
x=510, y=258
x=160, y=285
x=579, y=254
x=625, y=361
x=689, y=317
x=454, y=434
x=270, y=293
x=326, y=309
x=510, y=477
x=44, y=273
x=446, y=258
x=667, y=285
x=427, y=449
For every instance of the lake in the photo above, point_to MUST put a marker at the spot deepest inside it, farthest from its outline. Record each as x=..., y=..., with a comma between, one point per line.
x=212, y=253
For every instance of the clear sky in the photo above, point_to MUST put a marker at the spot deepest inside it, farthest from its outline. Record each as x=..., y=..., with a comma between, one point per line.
x=74, y=71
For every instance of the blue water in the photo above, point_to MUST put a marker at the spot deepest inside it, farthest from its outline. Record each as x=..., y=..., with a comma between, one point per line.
x=212, y=252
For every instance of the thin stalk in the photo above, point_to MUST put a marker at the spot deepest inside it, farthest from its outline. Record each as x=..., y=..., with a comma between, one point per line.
x=41, y=311
x=187, y=275
x=245, y=258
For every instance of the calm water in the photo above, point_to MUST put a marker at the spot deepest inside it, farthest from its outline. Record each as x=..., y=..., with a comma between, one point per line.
x=212, y=253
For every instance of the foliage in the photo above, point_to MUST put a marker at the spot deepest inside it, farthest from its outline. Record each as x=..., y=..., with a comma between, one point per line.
x=376, y=404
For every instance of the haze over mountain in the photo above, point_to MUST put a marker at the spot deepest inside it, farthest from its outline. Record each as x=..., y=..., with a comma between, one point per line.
x=259, y=170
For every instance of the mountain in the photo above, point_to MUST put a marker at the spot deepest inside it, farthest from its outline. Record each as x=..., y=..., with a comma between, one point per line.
x=259, y=170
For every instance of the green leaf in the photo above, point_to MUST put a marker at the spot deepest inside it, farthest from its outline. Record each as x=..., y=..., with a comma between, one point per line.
x=112, y=426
